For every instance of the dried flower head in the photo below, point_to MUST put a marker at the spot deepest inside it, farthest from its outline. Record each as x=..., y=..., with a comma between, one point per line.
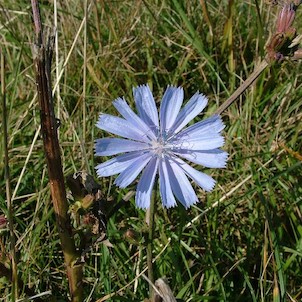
x=278, y=46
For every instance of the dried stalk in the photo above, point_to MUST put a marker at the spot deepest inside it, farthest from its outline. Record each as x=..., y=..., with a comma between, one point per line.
x=245, y=85
x=42, y=57
x=13, y=258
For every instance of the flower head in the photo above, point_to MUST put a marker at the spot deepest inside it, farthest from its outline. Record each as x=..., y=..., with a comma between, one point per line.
x=160, y=144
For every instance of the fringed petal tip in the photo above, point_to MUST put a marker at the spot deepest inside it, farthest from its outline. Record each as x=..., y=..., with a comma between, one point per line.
x=98, y=120
x=211, y=186
x=97, y=172
x=142, y=206
x=219, y=118
x=170, y=206
x=224, y=159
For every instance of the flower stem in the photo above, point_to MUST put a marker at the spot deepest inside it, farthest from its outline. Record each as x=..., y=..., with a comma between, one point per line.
x=150, y=245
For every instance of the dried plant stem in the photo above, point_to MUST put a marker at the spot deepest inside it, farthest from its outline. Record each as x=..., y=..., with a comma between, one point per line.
x=43, y=54
x=150, y=245
x=246, y=84
x=55, y=9
x=14, y=272
x=206, y=16
x=84, y=155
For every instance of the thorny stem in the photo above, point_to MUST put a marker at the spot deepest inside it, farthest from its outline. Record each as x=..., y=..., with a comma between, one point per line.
x=150, y=244
x=42, y=57
x=14, y=272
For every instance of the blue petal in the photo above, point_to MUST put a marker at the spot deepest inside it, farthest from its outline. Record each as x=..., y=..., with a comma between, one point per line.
x=111, y=146
x=205, y=181
x=117, y=164
x=200, y=144
x=195, y=105
x=130, y=173
x=145, y=185
x=215, y=158
x=207, y=127
x=170, y=106
x=124, y=109
x=146, y=106
x=121, y=127
x=165, y=186
x=180, y=184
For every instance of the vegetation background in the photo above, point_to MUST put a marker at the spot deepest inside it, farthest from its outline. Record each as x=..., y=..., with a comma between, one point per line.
x=245, y=240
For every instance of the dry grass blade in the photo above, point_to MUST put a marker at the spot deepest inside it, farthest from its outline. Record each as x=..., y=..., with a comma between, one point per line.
x=14, y=271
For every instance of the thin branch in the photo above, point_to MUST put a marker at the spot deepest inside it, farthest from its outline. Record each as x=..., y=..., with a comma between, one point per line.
x=246, y=84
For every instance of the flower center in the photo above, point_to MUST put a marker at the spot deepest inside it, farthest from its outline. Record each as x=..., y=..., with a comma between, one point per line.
x=161, y=146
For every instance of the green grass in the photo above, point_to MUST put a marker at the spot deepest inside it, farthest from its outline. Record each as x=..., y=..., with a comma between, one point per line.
x=248, y=246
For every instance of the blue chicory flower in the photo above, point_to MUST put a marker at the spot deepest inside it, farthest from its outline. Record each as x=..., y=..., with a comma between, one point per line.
x=159, y=145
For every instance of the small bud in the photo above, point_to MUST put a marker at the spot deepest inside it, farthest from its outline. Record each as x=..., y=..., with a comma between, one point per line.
x=3, y=222
x=131, y=236
x=87, y=201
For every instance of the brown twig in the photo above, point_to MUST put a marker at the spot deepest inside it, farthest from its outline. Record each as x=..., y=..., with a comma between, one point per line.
x=42, y=57
x=247, y=83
